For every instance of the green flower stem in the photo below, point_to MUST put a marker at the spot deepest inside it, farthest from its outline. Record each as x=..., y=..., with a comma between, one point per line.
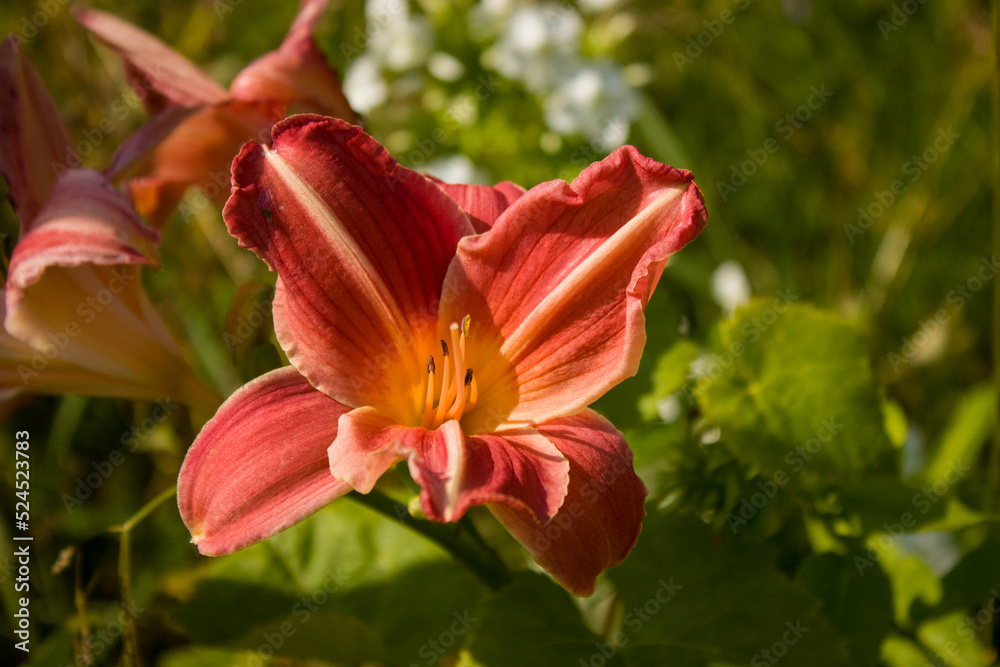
x=145, y=511
x=993, y=473
x=130, y=637
x=475, y=555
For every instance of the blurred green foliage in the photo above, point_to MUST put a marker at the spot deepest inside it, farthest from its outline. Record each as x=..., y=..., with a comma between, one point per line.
x=832, y=474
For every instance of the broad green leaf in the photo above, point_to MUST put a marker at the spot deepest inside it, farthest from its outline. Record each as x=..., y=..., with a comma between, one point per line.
x=344, y=543
x=791, y=388
x=222, y=610
x=422, y=609
x=691, y=597
x=390, y=591
x=859, y=608
x=534, y=623
x=333, y=637
x=884, y=503
x=656, y=445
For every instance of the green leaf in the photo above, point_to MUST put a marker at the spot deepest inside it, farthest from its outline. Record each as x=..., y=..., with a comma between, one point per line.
x=973, y=580
x=910, y=577
x=952, y=642
x=222, y=610
x=791, y=388
x=858, y=608
x=881, y=503
x=668, y=377
x=333, y=637
x=691, y=597
x=420, y=612
x=389, y=592
x=199, y=656
x=534, y=623
x=967, y=431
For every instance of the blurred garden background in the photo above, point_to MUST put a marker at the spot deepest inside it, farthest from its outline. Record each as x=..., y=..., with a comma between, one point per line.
x=816, y=409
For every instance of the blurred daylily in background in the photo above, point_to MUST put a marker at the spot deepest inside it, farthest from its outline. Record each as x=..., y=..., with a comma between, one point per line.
x=197, y=126
x=464, y=329
x=76, y=318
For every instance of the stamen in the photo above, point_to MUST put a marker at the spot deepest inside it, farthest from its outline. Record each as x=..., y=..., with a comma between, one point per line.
x=445, y=388
x=473, y=393
x=459, y=390
x=429, y=398
x=458, y=343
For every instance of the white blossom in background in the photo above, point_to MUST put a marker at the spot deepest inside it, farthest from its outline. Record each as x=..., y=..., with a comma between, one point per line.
x=539, y=45
x=936, y=549
x=730, y=286
x=669, y=408
x=364, y=85
x=594, y=102
x=598, y=6
x=456, y=169
x=445, y=67
x=401, y=41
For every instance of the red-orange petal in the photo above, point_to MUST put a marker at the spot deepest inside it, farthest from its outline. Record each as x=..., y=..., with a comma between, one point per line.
x=601, y=516
x=297, y=74
x=260, y=465
x=162, y=69
x=361, y=246
x=179, y=149
x=520, y=469
x=483, y=203
x=564, y=276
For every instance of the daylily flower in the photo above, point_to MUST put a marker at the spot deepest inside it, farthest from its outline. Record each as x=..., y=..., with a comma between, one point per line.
x=75, y=316
x=198, y=126
x=463, y=329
